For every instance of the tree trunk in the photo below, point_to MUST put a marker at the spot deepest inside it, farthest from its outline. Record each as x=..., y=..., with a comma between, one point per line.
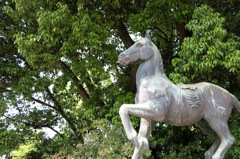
x=183, y=32
x=127, y=40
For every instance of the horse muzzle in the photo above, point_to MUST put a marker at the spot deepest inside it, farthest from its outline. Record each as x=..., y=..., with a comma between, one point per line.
x=122, y=59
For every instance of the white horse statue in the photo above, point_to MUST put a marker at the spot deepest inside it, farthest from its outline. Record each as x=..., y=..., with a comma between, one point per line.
x=159, y=100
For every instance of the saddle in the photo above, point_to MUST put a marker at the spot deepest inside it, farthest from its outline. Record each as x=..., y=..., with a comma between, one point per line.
x=191, y=94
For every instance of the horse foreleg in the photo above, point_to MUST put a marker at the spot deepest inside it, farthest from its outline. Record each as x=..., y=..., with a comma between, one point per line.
x=145, y=130
x=149, y=111
x=142, y=140
x=128, y=127
x=138, y=150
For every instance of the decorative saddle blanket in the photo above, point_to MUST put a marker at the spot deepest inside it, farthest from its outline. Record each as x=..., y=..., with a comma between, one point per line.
x=191, y=94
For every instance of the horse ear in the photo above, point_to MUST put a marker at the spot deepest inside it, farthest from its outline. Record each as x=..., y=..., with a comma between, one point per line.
x=147, y=35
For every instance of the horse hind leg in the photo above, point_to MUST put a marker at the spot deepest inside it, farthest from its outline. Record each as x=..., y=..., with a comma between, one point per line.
x=204, y=126
x=210, y=152
x=226, y=138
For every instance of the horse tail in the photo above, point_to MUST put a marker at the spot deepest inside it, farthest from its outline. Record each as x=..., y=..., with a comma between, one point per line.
x=236, y=103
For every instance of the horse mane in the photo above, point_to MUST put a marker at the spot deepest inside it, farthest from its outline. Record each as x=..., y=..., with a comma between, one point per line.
x=158, y=56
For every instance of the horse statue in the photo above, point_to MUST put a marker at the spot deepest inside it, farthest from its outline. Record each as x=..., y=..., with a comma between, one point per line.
x=159, y=100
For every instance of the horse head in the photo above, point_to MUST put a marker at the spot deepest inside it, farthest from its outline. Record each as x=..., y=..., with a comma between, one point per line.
x=141, y=50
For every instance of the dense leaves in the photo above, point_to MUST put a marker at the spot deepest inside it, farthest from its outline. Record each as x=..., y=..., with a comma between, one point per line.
x=208, y=50
x=59, y=72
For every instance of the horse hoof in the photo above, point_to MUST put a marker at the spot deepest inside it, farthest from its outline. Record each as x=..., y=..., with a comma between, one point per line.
x=217, y=157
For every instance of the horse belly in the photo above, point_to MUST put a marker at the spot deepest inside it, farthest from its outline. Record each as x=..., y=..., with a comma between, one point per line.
x=184, y=112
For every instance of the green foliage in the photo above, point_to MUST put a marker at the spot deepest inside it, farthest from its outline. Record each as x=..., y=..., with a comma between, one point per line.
x=233, y=122
x=7, y=144
x=58, y=69
x=208, y=50
x=105, y=141
x=153, y=16
x=22, y=151
x=179, y=142
x=38, y=147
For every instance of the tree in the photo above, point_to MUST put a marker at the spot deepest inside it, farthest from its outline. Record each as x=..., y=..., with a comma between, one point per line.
x=58, y=68
x=209, y=49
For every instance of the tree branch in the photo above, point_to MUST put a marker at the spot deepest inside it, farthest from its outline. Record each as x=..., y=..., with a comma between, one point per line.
x=75, y=80
x=69, y=120
x=43, y=103
x=162, y=34
x=61, y=135
x=36, y=125
x=123, y=33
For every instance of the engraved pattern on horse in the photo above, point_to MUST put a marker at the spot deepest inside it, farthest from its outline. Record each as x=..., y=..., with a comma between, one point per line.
x=193, y=96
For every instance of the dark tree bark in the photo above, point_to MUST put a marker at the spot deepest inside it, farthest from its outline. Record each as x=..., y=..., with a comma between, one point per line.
x=127, y=40
x=123, y=33
x=183, y=32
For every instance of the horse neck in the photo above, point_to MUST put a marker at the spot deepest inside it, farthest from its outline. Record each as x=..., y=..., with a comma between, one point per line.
x=152, y=67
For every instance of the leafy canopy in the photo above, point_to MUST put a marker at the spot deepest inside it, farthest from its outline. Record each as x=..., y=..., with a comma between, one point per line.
x=59, y=71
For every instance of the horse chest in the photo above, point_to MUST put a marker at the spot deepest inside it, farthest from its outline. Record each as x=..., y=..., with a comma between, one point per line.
x=150, y=90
